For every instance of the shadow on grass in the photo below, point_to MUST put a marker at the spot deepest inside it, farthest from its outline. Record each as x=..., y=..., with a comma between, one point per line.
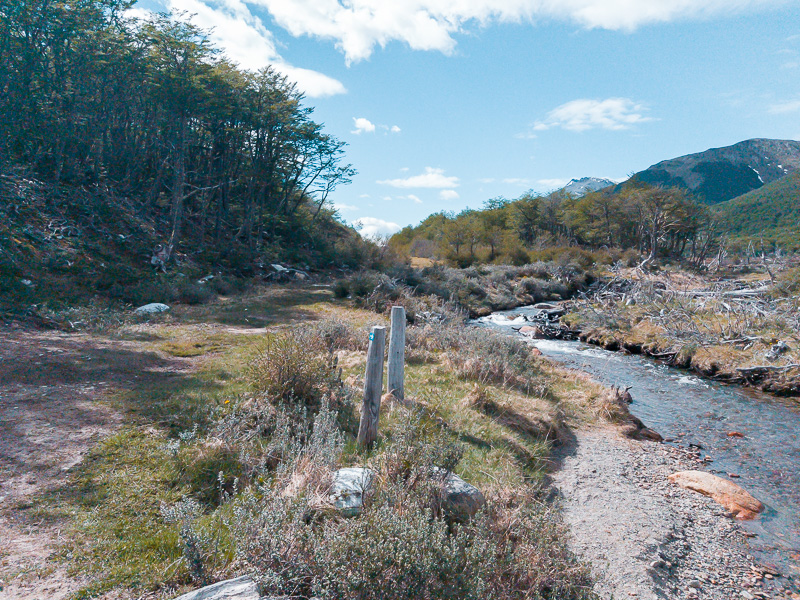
x=271, y=305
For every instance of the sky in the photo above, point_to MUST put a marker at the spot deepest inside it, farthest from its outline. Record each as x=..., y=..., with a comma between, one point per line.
x=445, y=104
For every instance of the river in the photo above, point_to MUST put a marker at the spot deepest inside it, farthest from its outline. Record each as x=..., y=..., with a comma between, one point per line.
x=686, y=409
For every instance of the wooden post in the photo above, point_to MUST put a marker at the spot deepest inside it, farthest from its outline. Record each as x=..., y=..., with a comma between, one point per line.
x=373, y=385
x=395, y=378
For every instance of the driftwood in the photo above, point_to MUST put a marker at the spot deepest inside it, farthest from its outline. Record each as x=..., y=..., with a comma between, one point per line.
x=764, y=369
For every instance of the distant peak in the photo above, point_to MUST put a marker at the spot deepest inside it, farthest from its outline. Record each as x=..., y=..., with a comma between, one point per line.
x=584, y=185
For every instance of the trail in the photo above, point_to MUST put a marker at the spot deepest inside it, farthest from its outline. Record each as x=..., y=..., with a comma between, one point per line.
x=54, y=406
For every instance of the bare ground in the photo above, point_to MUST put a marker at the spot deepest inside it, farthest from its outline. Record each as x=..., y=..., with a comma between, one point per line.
x=644, y=536
x=54, y=391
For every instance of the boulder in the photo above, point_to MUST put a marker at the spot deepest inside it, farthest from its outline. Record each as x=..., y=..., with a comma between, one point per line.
x=151, y=309
x=241, y=588
x=348, y=489
x=460, y=500
x=532, y=331
x=737, y=500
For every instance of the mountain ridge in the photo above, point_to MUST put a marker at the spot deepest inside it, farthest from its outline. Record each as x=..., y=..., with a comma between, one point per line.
x=720, y=174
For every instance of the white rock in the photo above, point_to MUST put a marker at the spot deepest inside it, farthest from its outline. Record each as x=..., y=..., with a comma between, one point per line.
x=151, y=309
x=241, y=588
x=348, y=489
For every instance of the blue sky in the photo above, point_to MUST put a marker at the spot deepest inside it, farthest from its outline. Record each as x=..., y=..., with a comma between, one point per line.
x=447, y=103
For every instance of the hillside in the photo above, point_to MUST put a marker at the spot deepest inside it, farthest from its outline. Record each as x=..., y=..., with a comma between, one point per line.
x=770, y=213
x=720, y=174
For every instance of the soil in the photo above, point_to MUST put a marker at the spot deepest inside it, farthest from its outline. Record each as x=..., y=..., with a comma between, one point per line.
x=54, y=405
x=644, y=536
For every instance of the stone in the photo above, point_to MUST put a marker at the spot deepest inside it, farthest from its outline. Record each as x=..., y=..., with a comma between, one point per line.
x=348, y=489
x=736, y=499
x=532, y=332
x=241, y=588
x=735, y=434
x=152, y=309
x=461, y=500
x=645, y=433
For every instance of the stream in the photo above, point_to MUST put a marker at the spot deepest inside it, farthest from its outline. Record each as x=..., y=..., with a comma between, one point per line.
x=687, y=409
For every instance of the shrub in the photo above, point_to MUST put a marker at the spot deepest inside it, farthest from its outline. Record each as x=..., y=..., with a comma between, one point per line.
x=341, y=289
x=195, y=293
x=290, y=368
x=401, y=547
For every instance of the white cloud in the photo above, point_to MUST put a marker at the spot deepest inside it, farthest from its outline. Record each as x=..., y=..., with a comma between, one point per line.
x=363, y=126
x=448, y=195
x=358, y=26
x=553, y=183
x=516, y=181
x=344, y=207
x=414, y=199
x=245, y=41
x=431, y=178
x=583, y=114
x=395, y=129
x=782, y=108
x=371, y=227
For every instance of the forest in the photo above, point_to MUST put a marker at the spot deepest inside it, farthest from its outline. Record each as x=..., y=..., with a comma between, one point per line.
x=215, y=162
x=653, y=222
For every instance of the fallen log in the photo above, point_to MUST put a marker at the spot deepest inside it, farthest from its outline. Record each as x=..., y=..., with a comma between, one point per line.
x=764, y=369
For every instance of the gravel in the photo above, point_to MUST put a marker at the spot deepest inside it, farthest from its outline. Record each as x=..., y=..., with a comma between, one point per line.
x=644, y=536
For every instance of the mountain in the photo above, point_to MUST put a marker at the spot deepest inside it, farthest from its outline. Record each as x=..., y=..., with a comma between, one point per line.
x=584, y=185
x=771, y=213
x=720, y=174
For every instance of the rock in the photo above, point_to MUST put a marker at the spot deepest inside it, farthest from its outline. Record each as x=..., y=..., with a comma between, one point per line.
x=694, y=583
x=536, y=352
x=241, y=588
x=735, y=434
x=461, y=500
x=532, y=332
x=746, y=595
x=733, y=497
x=151, y=309
x=348, y=489
x=648, y=434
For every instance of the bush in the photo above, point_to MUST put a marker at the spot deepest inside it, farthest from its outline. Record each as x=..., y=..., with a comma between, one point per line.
x=290, y=368
x=341, y=289
x=401, y=547
x=195, y=293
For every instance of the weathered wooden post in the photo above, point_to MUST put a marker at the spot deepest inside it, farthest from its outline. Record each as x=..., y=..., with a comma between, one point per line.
x=395, y=378
x=373, y=385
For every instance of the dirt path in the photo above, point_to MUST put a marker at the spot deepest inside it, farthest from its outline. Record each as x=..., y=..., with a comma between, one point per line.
x=646, y=537
x=53, y=408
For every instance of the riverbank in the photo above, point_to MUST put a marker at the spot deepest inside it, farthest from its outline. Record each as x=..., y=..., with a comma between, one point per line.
x=644, y=536
x=744, y=331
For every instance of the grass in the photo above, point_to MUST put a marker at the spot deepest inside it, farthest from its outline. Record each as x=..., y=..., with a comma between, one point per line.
x=175, y=444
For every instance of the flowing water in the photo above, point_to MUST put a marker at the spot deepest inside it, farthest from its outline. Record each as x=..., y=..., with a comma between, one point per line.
x=689, y=410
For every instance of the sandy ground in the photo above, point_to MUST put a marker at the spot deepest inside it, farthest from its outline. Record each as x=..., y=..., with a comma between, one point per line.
x=53, y=408
x=645, y=536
